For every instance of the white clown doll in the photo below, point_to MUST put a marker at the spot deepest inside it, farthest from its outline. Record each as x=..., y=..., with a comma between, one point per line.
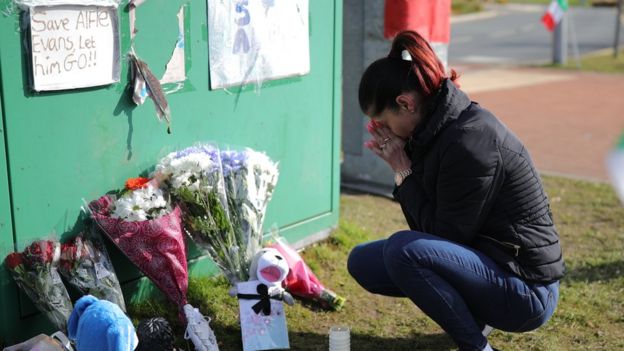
x=263, y=323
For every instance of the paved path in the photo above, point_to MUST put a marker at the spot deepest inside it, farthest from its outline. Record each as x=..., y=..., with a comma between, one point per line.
x=568, y=120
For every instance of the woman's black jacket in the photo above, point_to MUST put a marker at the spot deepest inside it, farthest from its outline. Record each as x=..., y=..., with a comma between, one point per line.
x=474, y=183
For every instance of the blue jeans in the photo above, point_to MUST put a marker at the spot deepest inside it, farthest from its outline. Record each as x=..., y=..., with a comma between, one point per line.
x=458, y=287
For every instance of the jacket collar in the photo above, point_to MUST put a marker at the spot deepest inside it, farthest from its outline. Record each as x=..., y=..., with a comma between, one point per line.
x=447, y=105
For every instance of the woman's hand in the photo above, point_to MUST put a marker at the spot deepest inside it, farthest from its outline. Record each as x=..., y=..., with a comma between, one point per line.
x=388, y=146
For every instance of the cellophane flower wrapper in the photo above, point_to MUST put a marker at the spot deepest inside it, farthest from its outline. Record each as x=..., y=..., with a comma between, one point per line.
x=195, y=179
x=35, y=273
x=301, y=281
x=250, y=179
x=85, y=264
x=155, y=246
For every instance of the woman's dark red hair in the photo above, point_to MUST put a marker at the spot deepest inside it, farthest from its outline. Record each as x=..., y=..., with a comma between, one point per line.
x=389, y=77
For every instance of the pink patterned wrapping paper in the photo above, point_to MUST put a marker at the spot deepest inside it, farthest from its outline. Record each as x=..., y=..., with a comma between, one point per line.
x=155, y=246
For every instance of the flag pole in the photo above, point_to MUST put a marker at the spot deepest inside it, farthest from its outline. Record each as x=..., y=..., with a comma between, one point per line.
x=560, y=42
x=575, y=46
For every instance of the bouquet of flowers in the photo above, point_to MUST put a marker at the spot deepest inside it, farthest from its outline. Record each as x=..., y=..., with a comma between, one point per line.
x=86, y=266
x=35, y=272
x=250, y=179
x=140, y=201
x=156, y=246
x=301, y=281
x=195, y=179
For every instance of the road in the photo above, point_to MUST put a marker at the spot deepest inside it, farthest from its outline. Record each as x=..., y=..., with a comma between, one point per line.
x=513, y=34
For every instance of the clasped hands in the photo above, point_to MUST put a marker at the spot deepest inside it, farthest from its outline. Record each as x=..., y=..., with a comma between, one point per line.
x=388, y=146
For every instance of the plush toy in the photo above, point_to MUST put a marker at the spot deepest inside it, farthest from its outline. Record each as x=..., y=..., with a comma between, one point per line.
x=100, y=325
x=270, y=268
x=263, y=323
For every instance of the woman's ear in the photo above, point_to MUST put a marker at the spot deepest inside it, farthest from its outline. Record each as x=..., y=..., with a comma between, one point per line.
x=406, y=101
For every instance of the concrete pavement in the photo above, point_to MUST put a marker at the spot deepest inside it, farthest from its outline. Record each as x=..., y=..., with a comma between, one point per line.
x=568, y=120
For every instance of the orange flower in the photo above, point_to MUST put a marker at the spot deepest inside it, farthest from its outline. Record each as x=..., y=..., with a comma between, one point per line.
x=136, y=183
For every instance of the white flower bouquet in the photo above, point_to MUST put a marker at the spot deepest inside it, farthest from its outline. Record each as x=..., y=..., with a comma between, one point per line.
x=140, y=203
x=194, y=177
x=250, y=179
x=142, y=225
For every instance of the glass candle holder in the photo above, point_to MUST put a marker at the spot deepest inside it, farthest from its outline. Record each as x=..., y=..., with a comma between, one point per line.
x=339, y=338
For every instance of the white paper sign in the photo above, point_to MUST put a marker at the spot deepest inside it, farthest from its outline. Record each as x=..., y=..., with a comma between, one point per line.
x=74, y=46
x=260, y=331
x=28, y=4
x=253, y=41
x=175, y=69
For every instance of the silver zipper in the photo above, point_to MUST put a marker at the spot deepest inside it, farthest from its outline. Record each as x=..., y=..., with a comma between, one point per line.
x=503, y=243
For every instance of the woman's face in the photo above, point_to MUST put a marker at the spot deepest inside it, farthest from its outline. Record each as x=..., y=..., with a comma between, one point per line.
x=403, y=121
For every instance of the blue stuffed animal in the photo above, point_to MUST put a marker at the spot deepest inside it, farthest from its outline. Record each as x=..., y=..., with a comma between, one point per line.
x=100, y=325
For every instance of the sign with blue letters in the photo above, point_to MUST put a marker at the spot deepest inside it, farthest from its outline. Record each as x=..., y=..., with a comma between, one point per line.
x=252, y=41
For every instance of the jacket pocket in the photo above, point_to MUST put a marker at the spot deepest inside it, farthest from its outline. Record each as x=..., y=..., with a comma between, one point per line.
x=514, y=248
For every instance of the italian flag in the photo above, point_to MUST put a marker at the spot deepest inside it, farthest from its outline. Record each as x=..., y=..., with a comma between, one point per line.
x=615, y=166
x=554, y=14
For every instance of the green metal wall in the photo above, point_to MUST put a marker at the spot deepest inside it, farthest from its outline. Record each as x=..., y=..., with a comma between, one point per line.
x=57, y=148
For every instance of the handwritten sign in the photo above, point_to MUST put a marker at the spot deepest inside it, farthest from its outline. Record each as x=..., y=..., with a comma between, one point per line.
x=254, y=41
x=74, y=46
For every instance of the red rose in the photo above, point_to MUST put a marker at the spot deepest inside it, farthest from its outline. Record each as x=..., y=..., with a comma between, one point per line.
x=39, y=252
x=48, y=252
x=33, y=254
x=137, y=183
x=13, y=260
x=68, y=251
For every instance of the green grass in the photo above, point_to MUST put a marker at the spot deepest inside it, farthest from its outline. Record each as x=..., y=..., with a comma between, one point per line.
x=546, y=2
x=462, y=7
x=604, y=63
x=590, y=315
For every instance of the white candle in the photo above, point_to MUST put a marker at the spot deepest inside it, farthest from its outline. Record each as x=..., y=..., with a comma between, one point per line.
x=339, y=338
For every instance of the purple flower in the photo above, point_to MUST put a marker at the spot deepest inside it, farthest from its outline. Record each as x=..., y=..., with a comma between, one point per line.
x=232, y=161
x=209, y=150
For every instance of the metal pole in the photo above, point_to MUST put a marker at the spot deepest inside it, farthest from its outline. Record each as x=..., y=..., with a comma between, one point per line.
x=560, y=42
x=618, y=23
x=575, y=46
